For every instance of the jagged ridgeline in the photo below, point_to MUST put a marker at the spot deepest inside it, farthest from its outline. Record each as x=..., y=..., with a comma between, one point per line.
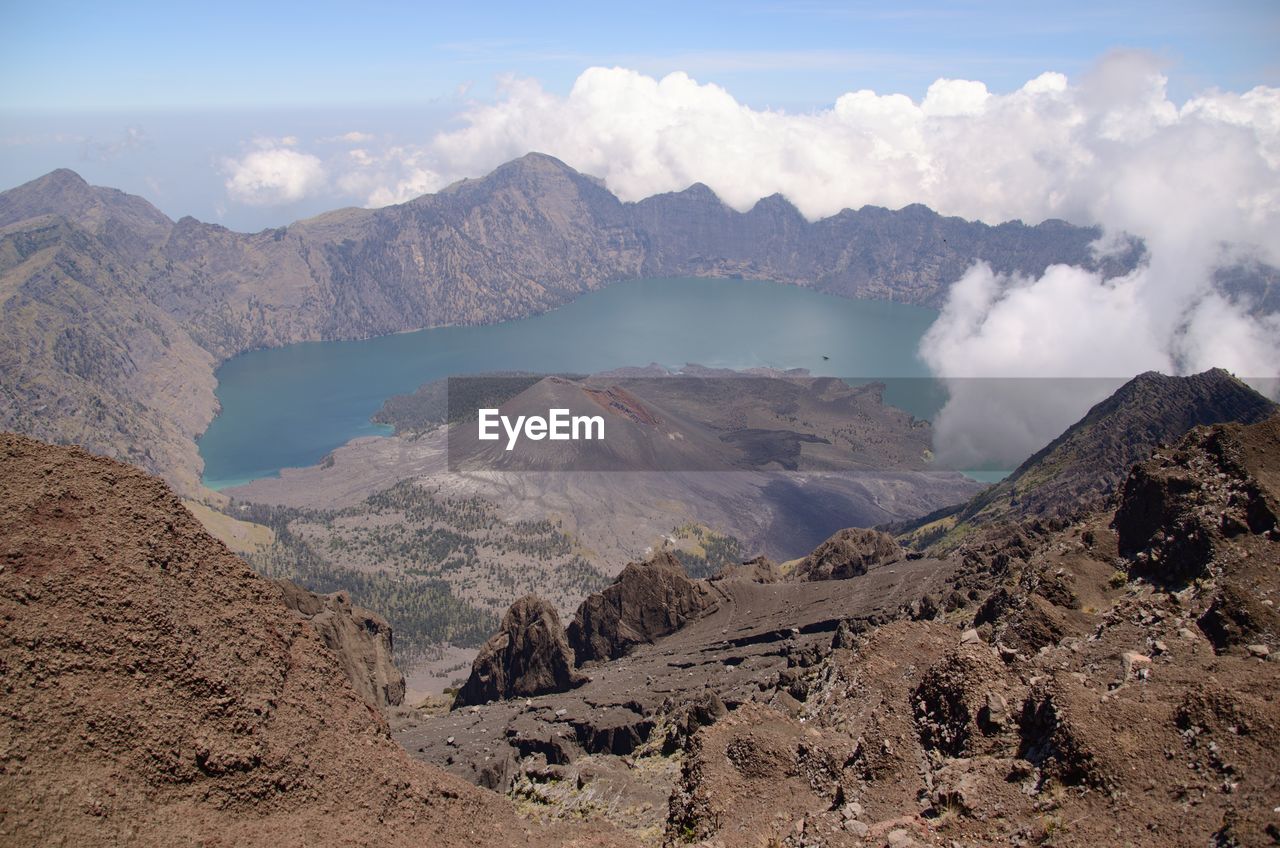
x=114, y=317
x=1078, y=471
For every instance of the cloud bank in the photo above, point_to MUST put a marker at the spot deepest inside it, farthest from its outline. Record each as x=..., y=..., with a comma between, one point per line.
x=1199, y=182
x=274, y=174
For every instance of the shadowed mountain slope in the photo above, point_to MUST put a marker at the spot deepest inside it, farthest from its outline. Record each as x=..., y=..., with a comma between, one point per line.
x=1080, y=469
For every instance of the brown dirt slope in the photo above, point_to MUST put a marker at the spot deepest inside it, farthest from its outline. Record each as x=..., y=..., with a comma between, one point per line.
x=156, y=692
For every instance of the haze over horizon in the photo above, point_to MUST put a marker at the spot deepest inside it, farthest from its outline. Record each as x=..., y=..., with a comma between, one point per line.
x=1160, y=121
x=203, y=113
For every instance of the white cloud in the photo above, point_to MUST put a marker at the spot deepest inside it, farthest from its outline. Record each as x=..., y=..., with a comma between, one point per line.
x=1198, y=181
x=1049, y=149
x=417, y=182
x=948, y=97
x=274, y=175
x=1194, y=181
x=396, y=175
x=1024, y=358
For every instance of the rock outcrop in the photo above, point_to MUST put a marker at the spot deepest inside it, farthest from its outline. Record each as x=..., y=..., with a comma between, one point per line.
x=848, y=554
x=1207, y=510
x=647, y=600
x=758, y=570
x=360, y=639
x=1177, y=507
x=527, y=656
x=157, y=692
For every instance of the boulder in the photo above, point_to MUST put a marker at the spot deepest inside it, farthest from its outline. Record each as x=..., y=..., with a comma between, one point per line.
x=527, y=656
x=849, y=553
x=647, y=600
x=361, y=640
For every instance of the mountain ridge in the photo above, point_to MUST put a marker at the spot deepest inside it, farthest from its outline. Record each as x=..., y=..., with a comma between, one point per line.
x=1087, y=463
x=528, y=237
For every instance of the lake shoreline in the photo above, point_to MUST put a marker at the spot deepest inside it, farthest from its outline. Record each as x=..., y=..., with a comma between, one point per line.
x=290, y=406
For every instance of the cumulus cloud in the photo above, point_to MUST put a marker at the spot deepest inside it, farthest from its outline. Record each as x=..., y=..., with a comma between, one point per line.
x=1198, y=181
x=395, y=175
x=1112, y=150
x=274, y=174
x=1023, y=358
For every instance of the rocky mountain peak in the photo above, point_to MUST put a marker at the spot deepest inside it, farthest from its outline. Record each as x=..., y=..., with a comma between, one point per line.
x=1090, y=460
x=61, y=179
x=776, y=205
x=56, y=193
x=123, y=221
x=535, y=170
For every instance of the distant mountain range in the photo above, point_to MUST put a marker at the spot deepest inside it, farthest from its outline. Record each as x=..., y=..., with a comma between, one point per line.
x=113, y=317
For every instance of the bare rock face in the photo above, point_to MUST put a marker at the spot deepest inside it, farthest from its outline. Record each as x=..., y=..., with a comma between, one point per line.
x=647, y=600
x=1177, y=508
x=1208, y=509
x=360, y=639
x=527, y=656
x=848, y=554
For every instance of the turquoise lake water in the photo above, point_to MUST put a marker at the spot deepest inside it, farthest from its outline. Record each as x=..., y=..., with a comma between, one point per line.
x=288, y=407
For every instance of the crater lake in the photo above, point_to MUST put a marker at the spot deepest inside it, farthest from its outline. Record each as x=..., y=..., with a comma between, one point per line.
x=289, y=406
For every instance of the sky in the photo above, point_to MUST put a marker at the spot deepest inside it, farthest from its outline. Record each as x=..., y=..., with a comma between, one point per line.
x=63, y=56
x=1159, y=120
x=155, y=98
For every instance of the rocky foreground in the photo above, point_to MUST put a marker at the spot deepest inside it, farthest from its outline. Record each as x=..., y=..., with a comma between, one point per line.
x=1100, y=678
x=158, y=692
x=1103, y=676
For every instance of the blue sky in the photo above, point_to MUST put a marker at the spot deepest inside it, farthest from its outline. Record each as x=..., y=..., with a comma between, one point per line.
x=61, y=56
x=152, y=97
